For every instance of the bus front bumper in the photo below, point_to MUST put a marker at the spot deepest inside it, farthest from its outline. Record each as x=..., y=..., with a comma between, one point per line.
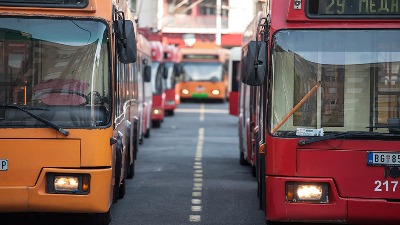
x=36, y=199
x=337, y=210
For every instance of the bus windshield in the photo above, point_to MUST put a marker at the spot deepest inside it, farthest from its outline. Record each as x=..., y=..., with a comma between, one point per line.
x=57, y=69
x=171, y=79
x=202, y=71
x=356, y=72
x=158, y=83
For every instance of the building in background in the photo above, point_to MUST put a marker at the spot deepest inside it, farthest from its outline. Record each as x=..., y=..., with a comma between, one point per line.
x=195, y=22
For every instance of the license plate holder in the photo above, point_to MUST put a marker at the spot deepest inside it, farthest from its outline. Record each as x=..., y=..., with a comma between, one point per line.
x=3, y=164
x=200, y=88
x=383, y=158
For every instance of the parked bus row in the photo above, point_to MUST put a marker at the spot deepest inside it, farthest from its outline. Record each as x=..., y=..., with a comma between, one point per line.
x=319, y=115
x=77, y=98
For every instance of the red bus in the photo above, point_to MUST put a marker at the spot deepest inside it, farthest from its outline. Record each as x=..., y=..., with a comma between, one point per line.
x=174, y=71
x=205, y=73
x=67, y=105
x=327, y=110
x=158, y=77
x=145, y=97
x=247, y=104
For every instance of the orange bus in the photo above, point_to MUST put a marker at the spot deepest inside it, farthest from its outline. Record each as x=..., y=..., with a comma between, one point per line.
x=327, y=110
x=158, y=77
x=205, y=73
x=174, y=72
x=67, y=105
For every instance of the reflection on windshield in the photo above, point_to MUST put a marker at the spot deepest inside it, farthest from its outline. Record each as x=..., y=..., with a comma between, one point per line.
x=170, y=81
x=359, y=73
x=202, y=71
x=66, y=73
x=157, y=80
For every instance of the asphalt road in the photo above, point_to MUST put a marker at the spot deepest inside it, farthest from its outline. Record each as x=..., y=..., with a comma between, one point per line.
x=188, y=172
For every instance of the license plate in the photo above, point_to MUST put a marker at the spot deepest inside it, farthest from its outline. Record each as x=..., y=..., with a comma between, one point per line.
x=383, y=159
x=3, y=164
x=200, y=88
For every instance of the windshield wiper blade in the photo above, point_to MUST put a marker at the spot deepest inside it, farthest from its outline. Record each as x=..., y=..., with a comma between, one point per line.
x=385, y=126
x=335, y=135
x=41, y=119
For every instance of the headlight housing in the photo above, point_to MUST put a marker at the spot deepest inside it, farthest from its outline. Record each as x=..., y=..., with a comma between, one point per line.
x=68, y=183
x=185, y=91
x=215, y=92
x=157, y=111
x=307, y=192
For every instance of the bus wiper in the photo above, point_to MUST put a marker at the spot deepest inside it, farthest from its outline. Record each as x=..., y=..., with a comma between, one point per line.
x=336, y=135
x=393, y=128
x=41, y=119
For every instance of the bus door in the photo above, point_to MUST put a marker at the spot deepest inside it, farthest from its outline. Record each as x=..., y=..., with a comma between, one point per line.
x=234, y=79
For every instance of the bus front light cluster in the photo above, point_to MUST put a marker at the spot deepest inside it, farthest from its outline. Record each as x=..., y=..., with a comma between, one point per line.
x=215, y=92
x=185, y=91
x=307, y=192
x=68, y=183
x=157, y=111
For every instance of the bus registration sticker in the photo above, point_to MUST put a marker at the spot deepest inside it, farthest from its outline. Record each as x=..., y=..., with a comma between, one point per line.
x=383, y=159
x=3, y=164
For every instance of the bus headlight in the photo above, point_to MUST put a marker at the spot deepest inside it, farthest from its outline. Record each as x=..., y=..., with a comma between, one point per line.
x=185, y=91
x=215, y=92
x=157, y=111
x=68, y=183
x=307, y=192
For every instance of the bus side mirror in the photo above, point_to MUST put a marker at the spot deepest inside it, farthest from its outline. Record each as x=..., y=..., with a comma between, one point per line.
x=147, y=73
x=164, y=71
x=178, y=70
x=254, y=63
x=126, y=41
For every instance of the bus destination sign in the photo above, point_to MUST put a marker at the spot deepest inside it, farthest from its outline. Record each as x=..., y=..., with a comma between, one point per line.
x=353, y=8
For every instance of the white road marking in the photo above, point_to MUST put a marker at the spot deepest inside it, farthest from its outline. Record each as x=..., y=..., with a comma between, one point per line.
x=198, y=174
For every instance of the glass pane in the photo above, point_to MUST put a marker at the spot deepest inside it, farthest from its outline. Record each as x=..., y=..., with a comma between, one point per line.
x=61, y=76
x=202, y=71
x=358, y=73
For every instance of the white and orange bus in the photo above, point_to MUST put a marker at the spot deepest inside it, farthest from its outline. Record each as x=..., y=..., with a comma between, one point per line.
x=205, y=73
x=67, y=105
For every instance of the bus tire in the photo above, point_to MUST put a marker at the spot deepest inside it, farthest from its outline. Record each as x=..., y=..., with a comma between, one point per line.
x=156, y=123
x=242, y=161
x=147, y=134
x=118, y=168
x=122, y=189
x=100, y=218
x=169, y=112
x=130, y=168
